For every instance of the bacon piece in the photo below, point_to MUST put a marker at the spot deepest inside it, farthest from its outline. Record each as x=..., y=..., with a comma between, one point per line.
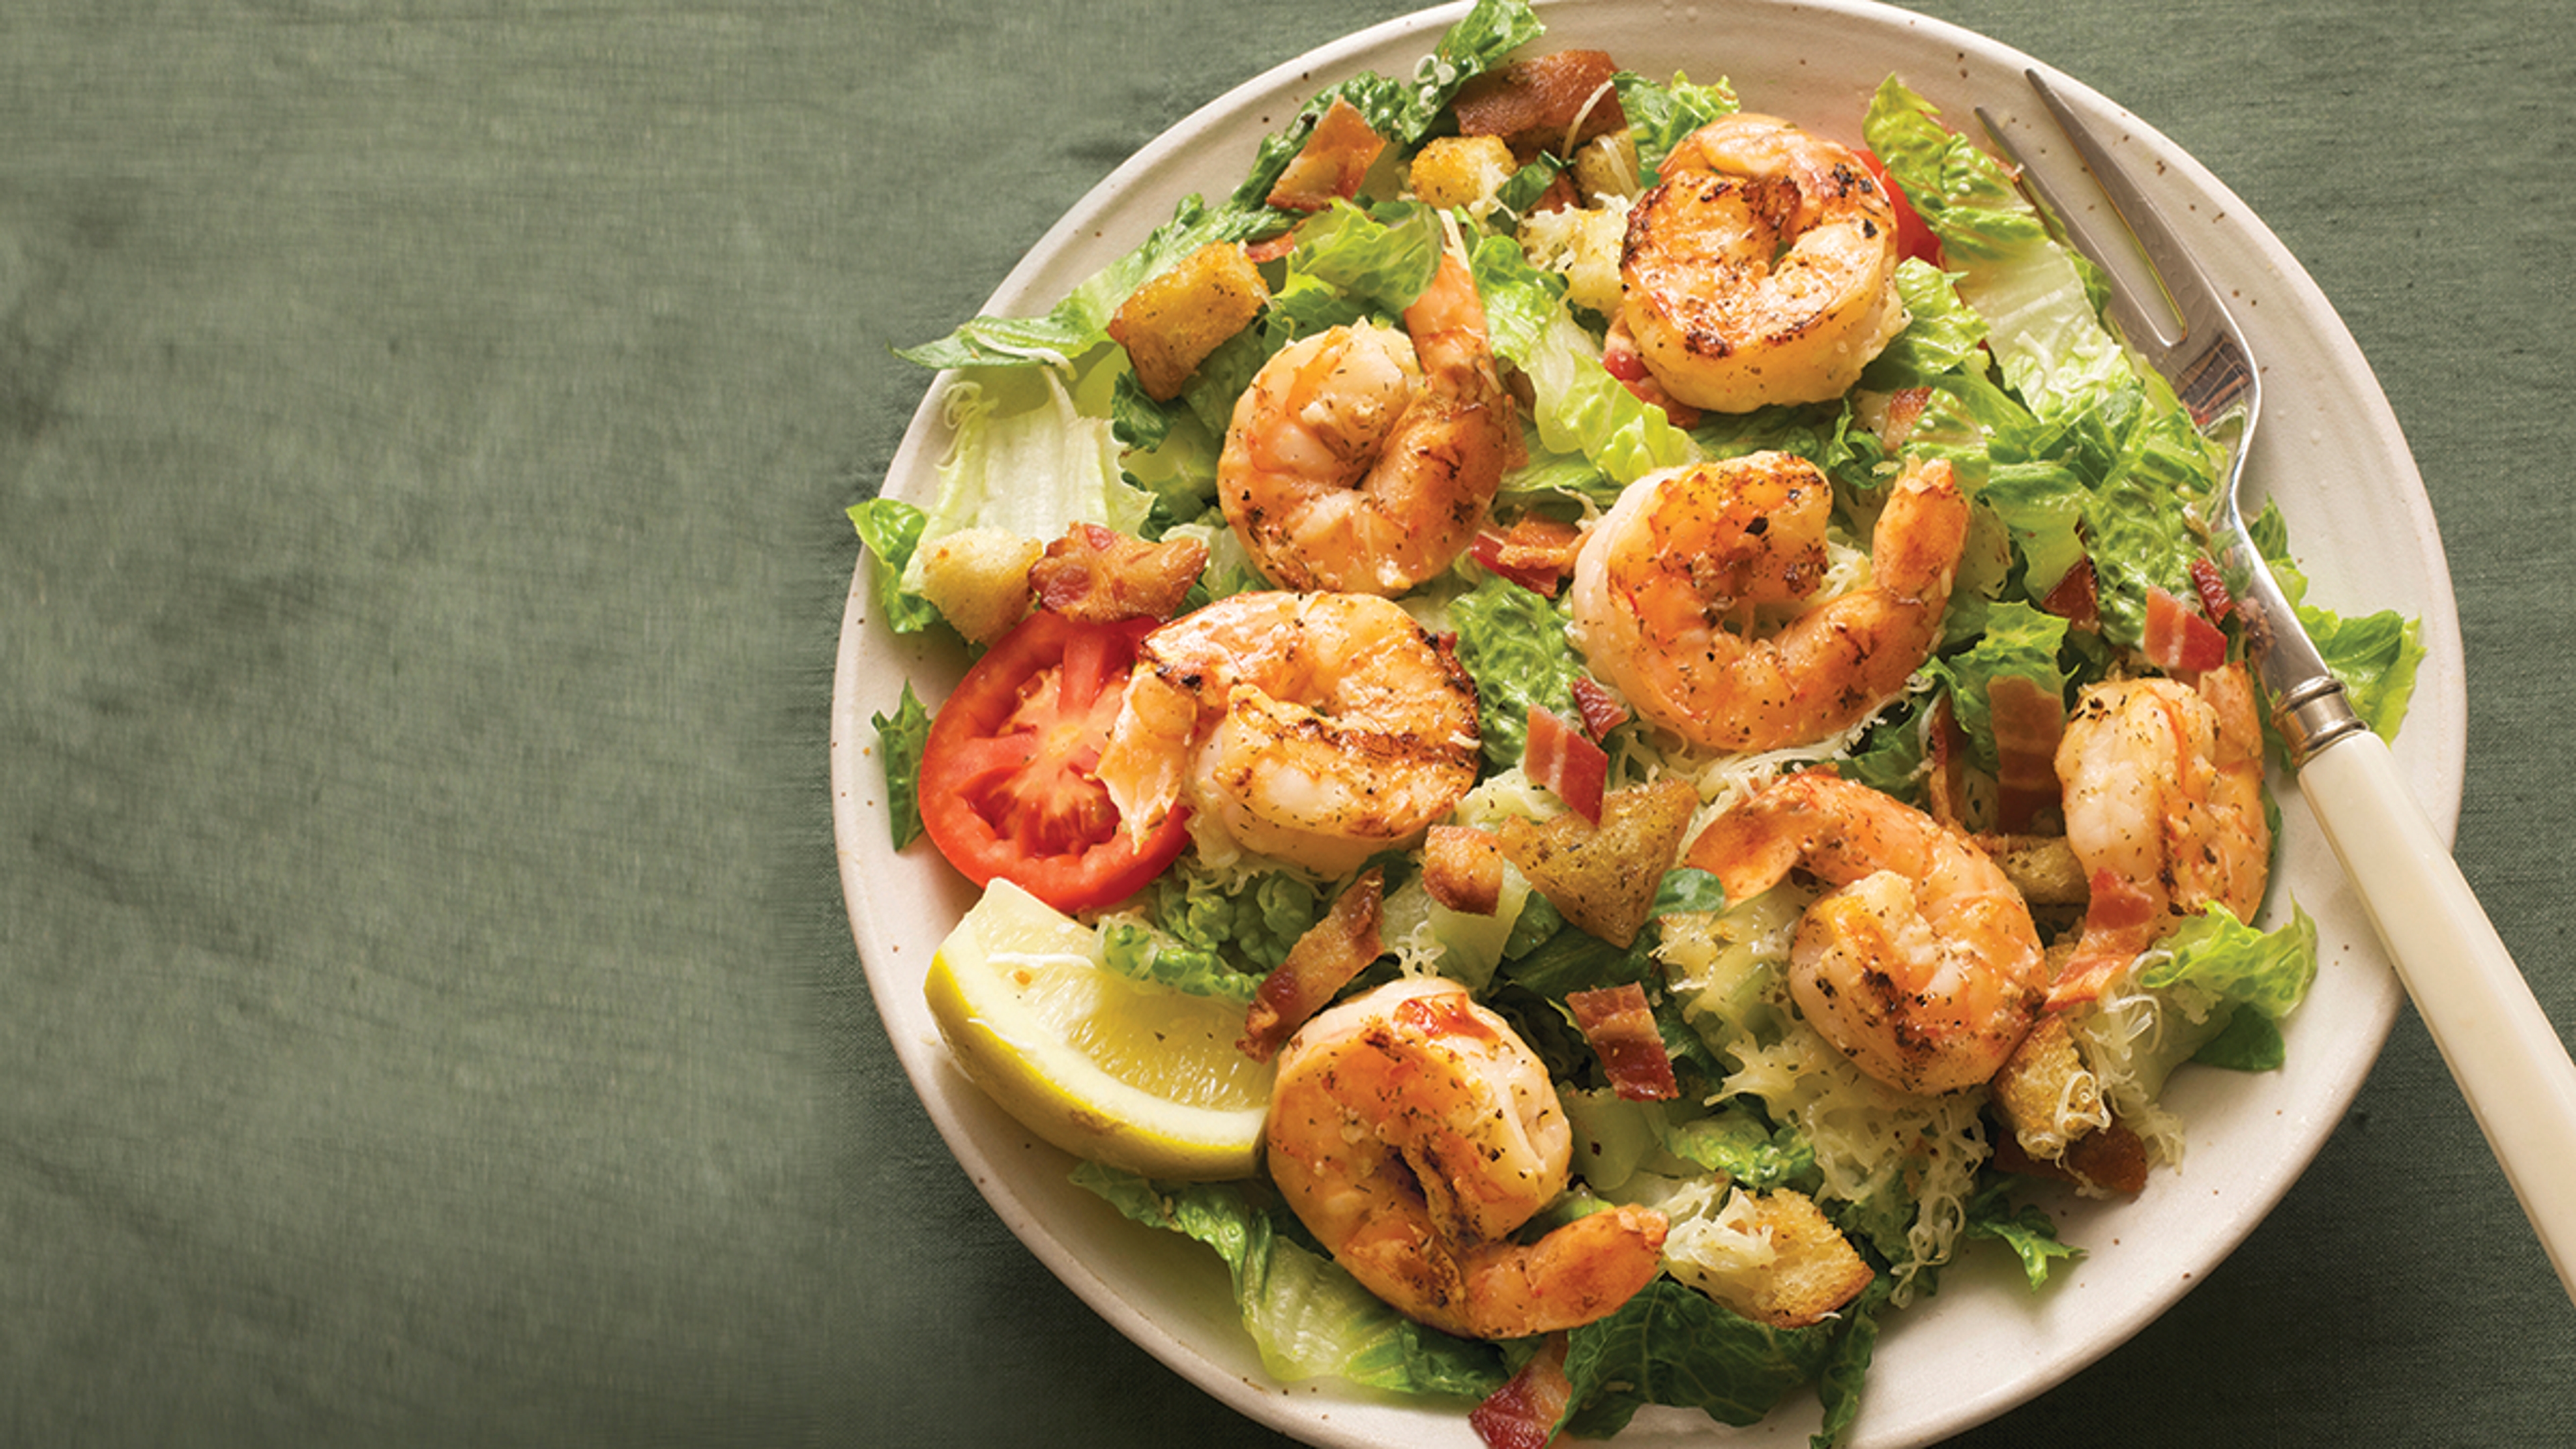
x=1565, y=760
x=1621, y=1028
x=2077, y=598
x=2211, y=585
x=1462, y=868
x=2179, y=640
x=2119, y=921
x=1333, y=950
x=1601, y=710
x=1524, y=1412
x=1535, y=553
x=1097, y=575
x=2028, y=722
x=1552, y=103
x=1948, y=782
x=1904, y=408
x=1332, y=163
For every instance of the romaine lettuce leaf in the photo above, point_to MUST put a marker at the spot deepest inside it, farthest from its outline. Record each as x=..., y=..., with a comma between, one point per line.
x=2018, y=642
x=1028, y=459
x=1582, y=410
x=1661, y=115
x=2375, y=655
x=2265, y=974
x=1306, y=1314
x=1512, y=642
x=890, y=529
x=1672, y=1345
x=899, y=741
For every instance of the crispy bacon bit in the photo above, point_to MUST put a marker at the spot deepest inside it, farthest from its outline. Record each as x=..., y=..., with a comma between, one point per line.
x=2179, y=640
x=2077, y=598
x=1565, y=760
x=1904, y=409
x=1621, y=1028
x=1948, y=783
x=1462, y=868
x=1097, y=575
x=1333, y=950
x=1601, y=710
x=1621, y=359
x=1551, y=103
x=1271, y=249
x=2119, y=921
x=1524, y=1412
x=2211, y=585
x=1535, y=553
x=2028, y=722
x=1330, y=166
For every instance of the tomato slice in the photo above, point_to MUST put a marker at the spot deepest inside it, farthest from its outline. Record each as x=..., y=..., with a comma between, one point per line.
x=1913, y=238
x=1007, y=781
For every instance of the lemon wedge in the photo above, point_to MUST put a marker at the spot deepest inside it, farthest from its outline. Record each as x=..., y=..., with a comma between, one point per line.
x=1122, y=1072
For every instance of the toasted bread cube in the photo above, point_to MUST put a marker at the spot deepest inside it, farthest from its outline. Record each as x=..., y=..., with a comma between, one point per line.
x=1774, y=1258
x=1608, y=166
x=1604, y=877
x=2045, y=1094
x=979, y=579
x=1461, y=173
x=1173, y=321
x=2042, y=867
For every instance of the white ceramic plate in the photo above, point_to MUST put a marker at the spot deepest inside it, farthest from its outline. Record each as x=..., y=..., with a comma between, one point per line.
x=2329, y=451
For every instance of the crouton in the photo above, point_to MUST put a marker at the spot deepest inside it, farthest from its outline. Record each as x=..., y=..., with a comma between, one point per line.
x=1461, y=173
x=979, y=579
x=1775, y=1259
x=2045, y=1095
x=1603, y=878
x=2042, y=867
x=1173, y=321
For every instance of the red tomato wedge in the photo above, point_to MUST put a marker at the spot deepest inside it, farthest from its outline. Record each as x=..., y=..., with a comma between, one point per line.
x=1007, y=783
x=1913, y=238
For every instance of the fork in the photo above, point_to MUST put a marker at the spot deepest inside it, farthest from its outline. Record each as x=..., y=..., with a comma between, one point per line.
x=2510, y=1064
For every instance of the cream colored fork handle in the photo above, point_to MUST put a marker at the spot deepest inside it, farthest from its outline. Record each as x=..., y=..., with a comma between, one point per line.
x=2510, y=1063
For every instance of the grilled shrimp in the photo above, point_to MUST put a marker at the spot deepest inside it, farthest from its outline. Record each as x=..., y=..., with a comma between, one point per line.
x=1666, y=587
x=1922, y=964
x=2164, y=805
x=1363, y=459
x=1318, y=729
x=1413, y=1132
x=1762, y=268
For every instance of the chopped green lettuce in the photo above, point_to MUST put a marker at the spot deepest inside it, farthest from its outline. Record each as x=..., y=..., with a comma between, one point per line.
x=1308, y=1317
x=1673, y=1345
x=890, y=530
x=1030, y=460
x=1512, y=642
x=2375, y=655
x=2018, y=642
x=899, y=741
x=1660, y=115
x=1582, y=411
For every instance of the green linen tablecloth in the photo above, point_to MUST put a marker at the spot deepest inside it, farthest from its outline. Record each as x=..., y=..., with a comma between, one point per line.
x=427, y=1014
